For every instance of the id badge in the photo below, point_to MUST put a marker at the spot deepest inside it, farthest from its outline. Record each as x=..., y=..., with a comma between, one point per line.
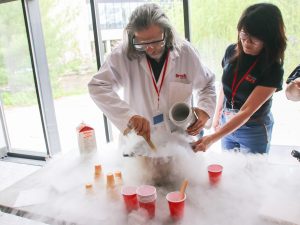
x=158, y=119
x=229, y=113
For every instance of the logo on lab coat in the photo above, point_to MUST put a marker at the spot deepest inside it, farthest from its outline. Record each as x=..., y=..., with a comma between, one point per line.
x=181, y=76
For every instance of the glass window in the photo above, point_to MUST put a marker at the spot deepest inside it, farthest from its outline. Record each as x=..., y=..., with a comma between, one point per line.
x=71, y=59
x=17, y=85
x=3, y=146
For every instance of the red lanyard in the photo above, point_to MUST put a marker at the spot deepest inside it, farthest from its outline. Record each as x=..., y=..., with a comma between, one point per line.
x=235, y=87
x=163, y=77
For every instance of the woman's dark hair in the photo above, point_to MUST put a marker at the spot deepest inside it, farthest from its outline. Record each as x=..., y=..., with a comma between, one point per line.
x=264, y=21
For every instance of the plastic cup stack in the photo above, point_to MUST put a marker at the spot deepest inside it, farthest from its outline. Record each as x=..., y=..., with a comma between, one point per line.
x=146, y=196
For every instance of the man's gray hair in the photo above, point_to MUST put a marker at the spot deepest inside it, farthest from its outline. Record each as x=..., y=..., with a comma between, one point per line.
x=142, y=18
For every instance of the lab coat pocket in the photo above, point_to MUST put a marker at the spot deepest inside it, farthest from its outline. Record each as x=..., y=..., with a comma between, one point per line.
x=180, y=92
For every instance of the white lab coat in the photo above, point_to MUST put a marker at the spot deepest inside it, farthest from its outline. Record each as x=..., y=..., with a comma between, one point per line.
x=185, y=75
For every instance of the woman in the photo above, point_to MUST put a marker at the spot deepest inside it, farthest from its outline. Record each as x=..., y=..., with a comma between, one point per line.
x=252, y=72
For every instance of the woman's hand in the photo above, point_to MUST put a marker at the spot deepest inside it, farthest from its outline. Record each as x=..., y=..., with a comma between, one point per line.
x=216, y=122
x=219, y=110
x=196, y=127
x=203, y=144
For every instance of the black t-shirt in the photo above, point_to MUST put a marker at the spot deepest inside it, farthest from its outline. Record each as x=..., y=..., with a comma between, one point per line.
x=294, y=75
x=270, y=76
x=157, y=66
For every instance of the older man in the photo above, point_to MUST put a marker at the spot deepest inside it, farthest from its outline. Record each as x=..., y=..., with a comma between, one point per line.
x=156, y=68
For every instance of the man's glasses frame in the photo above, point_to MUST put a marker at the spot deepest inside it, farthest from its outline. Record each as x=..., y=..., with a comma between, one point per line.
x=142, y=46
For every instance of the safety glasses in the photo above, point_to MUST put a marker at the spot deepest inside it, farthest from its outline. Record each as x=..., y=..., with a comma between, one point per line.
x=143, y=45
x=244, y=36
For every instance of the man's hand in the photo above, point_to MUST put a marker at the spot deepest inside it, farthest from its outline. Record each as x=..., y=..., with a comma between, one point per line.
x=140, y=125
x=196, y=127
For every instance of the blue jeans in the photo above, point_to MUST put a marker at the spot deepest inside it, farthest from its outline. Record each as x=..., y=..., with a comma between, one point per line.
x=253, y=137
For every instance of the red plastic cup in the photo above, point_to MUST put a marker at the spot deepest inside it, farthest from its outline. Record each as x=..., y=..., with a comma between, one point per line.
x=149, y=207
x=130, y=198
x=214, y=173
x=176, y=204
x=146, y=196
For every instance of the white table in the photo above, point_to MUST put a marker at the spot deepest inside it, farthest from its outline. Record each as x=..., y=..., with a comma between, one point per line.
x=253, y=190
